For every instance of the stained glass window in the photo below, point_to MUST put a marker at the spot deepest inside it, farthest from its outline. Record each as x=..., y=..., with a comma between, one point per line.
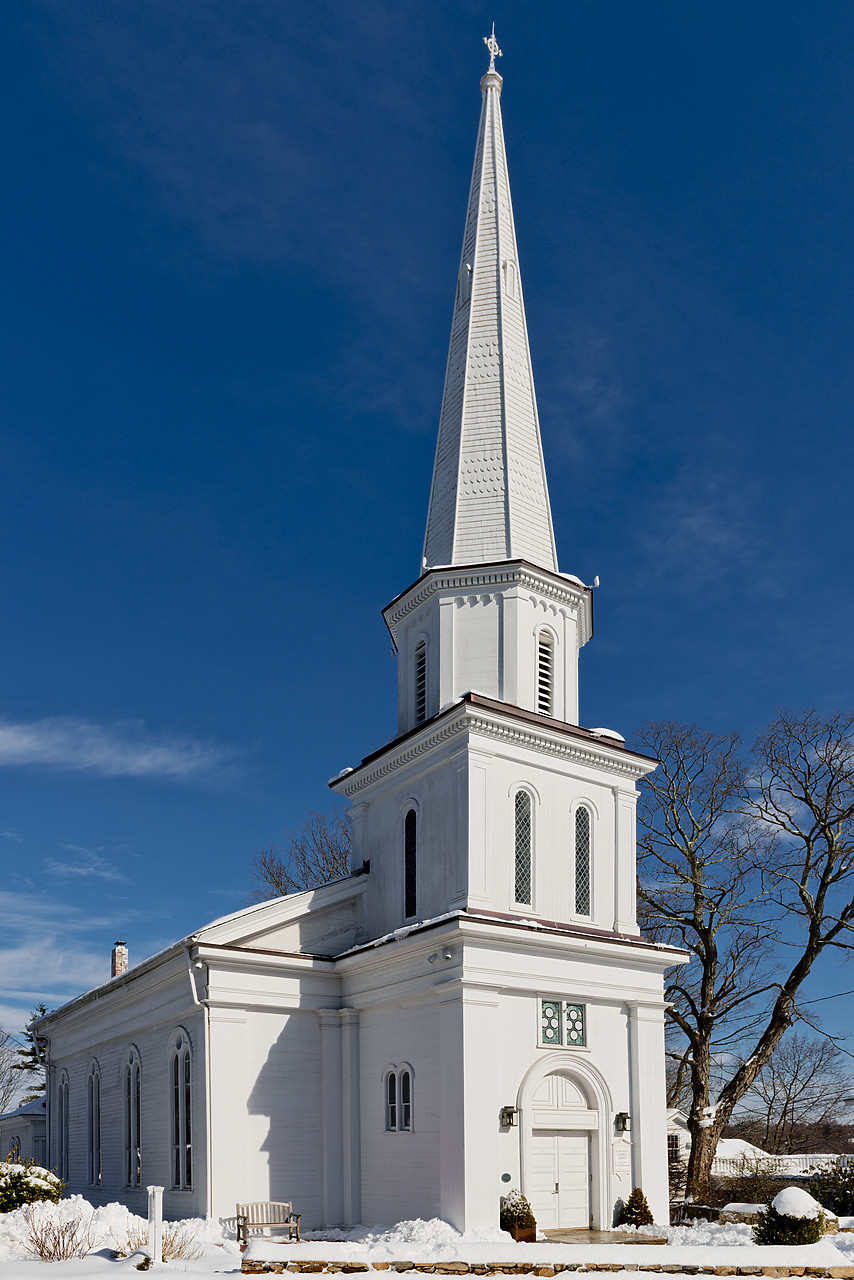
x=550, y=1022
x=582, y=861
x=523, y=847
x=574, y=1023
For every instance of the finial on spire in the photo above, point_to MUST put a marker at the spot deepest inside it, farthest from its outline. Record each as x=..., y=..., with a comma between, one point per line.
x=492, y=45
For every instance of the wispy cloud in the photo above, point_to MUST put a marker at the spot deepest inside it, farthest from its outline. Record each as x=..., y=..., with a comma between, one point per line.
x=123, y=750
x=87, y=865
x=12, y=834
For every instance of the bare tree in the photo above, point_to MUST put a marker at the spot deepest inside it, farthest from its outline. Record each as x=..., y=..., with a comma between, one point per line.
x=737, y=866
x=9, y=1081
x=316, y=854
x=804, y=1083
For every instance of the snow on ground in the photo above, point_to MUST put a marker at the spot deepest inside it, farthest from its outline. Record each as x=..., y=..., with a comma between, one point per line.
x=703, y=1244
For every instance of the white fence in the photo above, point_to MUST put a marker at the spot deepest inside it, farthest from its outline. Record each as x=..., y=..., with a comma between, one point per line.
x=784, y=1166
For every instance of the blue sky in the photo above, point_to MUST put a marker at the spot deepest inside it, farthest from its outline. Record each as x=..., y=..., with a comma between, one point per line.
x=232, y=234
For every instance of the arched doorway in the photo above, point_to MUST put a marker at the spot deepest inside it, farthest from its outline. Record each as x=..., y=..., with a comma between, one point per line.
x=565, y=1116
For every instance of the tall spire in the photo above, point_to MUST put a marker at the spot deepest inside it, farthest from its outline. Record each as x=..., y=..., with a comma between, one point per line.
x=489, y=499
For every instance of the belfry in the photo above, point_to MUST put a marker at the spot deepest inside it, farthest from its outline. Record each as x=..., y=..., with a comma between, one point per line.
x=474, y=1008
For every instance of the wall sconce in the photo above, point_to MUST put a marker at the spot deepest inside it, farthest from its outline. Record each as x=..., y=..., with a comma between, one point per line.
x=508, y=1117
x=622, y=1122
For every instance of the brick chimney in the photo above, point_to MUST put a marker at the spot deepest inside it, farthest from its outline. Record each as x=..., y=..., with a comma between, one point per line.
x=118, y=960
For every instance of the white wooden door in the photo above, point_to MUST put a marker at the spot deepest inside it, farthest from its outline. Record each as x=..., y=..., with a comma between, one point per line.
x=560, y=1179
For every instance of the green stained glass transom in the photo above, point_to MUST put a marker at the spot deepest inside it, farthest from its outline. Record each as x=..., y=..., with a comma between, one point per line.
x=574, y=1022
x=550, y=1022
x=523, y=847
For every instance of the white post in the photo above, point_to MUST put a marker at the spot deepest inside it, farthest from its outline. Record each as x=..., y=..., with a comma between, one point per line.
x=155, y=1223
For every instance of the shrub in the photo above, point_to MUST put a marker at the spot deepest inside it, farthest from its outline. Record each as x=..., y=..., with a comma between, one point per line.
x=753, y=1180
x=636, y=1212
x=773, y=1227
x=56, y=1239
x=834, y=1187
x=178, y=1244
x=516, y=1212
x=25, y=1182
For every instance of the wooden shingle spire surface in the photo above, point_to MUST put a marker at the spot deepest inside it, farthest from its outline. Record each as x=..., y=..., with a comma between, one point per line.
x=489, y=499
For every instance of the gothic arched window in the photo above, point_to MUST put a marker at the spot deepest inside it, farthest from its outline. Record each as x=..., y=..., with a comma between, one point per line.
x=410, y=864
x=181, y=1080
x=62, y=1127
x=582, y=860
x=420, y=681
x=93, y=1125
x=133, y=1119
x=522, y=839
x=545, y=674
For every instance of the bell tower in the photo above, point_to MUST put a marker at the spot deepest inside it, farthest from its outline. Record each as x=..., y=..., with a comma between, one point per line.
x=490, y=611
x=492, y=797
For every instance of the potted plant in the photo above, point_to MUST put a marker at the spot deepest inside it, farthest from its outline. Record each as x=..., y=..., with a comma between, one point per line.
x=517, y=1217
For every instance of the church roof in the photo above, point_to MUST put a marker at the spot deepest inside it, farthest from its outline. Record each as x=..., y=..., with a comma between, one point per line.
x=489, y=498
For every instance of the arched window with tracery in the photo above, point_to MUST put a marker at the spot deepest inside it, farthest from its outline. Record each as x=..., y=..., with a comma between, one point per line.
x=93, y=1125
x=62, y=1126
x=523, y=877
x=132, y=1089
x=420, y=681
x=410, y=864
x=181, y=1080
x=583, y=842
x=545, y=673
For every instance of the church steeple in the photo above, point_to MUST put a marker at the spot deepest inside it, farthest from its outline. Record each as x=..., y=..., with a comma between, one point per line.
x=489, y=500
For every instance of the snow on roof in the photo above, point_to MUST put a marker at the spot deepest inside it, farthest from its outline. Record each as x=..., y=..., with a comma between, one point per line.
x=34, y=1107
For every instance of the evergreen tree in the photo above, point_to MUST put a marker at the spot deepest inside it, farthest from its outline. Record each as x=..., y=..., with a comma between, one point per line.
x=31, y=1058
x=636, y=1211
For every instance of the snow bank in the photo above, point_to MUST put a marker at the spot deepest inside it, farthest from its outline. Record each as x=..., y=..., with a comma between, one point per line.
x=700, y=1244
x=111, y=1225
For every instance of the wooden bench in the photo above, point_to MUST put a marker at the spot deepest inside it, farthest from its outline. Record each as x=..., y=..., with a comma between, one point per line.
x=266, y=1213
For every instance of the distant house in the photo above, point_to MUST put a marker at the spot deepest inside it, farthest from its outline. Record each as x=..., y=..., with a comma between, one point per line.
x=23, y=1133
x=678, y=1136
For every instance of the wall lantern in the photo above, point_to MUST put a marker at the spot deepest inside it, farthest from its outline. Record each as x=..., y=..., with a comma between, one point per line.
x=622, y=1122
x=508, y=1117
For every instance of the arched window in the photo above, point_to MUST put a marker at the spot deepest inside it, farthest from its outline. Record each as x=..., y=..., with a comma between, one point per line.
x=133, y=1119
x=410, y=853
x=391, y=1102
x=181, y=1076
x=62, y=1127
x=93, y=1125
x=15, y=1150
x=398, y=1099
x=420, y=681
x=545, y=674
x=522, y=806
x=582, y=861
x=405, y=1105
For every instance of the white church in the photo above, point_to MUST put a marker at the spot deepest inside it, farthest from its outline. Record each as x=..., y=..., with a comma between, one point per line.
x=474, y=1009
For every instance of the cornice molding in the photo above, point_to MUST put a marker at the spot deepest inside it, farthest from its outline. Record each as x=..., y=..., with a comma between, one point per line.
x=571, y=595
x=500, y=728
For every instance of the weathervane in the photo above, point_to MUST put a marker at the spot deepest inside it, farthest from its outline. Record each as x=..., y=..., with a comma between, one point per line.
x=492, y=45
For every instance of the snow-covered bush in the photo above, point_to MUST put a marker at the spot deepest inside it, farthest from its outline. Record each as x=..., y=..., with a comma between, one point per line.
x=834, y=1186
x=793, y=1217
x=516, y=1212
x=24, y=1182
